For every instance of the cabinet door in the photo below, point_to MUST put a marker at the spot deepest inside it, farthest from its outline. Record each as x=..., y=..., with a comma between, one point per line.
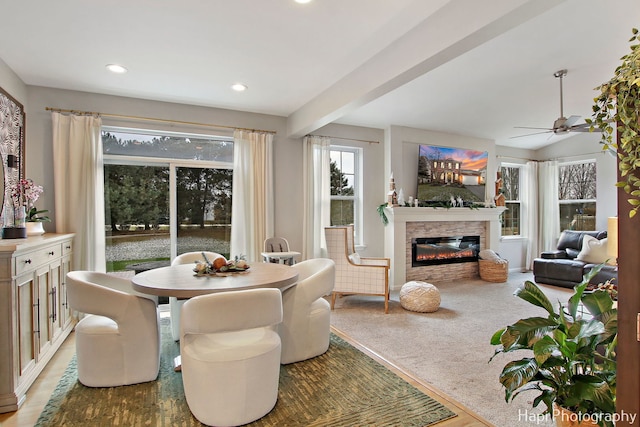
x=65, y=311
x=53, y=292
x=45, y=294
x=27, y=323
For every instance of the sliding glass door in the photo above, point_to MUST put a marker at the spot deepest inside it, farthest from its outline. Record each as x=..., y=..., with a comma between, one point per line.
x=171, y=196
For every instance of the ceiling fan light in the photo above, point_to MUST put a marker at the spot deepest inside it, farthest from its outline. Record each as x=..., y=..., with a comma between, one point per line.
x=115, y=68
x=239, y=87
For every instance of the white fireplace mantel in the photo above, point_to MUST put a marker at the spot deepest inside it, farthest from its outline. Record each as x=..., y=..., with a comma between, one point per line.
x=395, y=242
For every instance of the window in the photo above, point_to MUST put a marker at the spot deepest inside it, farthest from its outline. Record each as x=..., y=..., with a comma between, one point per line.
x=345, y=187
x=165, y=194
x=511, y=190
x=577, y=195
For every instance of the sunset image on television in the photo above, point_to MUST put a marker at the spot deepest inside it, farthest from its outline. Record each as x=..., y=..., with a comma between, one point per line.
x=446, y=174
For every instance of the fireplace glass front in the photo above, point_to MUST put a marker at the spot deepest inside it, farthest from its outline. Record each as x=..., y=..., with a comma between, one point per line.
x=444, y=250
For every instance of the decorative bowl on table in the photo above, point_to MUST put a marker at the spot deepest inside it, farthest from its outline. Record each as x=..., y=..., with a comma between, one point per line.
x=220, y=266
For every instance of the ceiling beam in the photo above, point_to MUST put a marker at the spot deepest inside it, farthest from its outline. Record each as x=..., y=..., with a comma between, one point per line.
x=457, y=27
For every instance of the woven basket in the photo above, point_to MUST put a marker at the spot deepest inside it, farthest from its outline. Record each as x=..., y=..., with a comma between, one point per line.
x=492, y=271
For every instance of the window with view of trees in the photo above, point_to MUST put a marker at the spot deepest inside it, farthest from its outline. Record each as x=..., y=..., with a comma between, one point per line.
x=577, y=195
x=165, y=194
x=345, y=186
x=511, y=190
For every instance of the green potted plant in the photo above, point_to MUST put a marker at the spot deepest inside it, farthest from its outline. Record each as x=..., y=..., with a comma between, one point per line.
x=618, y=104
x=571, y=359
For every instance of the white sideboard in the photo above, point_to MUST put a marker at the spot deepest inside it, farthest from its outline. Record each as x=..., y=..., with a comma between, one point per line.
x=34, y=315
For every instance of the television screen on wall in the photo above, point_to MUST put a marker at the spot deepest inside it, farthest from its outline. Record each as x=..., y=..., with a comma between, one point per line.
x=451, y=175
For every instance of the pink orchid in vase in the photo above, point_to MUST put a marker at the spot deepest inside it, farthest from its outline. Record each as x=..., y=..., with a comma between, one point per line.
x=26, y=192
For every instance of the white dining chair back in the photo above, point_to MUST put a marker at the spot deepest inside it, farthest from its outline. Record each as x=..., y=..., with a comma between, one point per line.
x=305, y=328
x=118, y=340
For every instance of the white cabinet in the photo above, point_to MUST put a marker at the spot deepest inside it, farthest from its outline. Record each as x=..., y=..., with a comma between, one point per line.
x=34, y=315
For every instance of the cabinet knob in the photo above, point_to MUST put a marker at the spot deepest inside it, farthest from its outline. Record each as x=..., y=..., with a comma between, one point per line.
x=51, y=253
x=27, y=261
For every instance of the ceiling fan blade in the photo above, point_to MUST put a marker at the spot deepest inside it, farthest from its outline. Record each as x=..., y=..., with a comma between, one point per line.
x=571, y=121
x=528, y=127
x=531, y=134
x=583, y=129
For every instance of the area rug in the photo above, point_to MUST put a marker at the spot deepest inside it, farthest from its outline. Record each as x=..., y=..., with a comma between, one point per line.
x=343, y=387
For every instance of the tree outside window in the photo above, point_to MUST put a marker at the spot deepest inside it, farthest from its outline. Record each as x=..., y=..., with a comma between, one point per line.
x=165, y=195
x=346, y=198
x=577, y=195
x=511, y=190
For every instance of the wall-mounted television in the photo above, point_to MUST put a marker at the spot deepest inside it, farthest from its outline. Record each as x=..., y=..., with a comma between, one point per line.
x=446, y=174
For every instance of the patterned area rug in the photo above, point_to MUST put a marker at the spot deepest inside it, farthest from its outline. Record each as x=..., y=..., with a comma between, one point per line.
x=343, y=387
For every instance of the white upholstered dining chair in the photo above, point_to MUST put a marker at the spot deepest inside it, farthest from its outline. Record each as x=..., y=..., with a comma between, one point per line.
x=175, y=304
x=305, y=327
x=230, y=354
x=355, y=274
x=118, y=341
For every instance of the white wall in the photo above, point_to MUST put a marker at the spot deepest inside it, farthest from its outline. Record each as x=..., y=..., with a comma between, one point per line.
x=12, y=84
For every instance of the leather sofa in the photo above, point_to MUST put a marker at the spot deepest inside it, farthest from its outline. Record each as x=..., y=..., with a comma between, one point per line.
x=561, y=268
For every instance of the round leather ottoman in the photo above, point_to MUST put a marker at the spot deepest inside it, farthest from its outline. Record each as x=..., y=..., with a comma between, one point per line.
x=419, y=296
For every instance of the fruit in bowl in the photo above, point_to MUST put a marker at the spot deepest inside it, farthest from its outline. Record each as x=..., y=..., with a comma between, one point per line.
x=220, y=265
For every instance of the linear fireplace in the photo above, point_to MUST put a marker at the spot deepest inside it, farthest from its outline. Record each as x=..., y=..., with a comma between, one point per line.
x=444, y=250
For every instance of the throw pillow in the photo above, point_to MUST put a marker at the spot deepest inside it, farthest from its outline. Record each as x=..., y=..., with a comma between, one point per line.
x=355, y=258
x=593, y=251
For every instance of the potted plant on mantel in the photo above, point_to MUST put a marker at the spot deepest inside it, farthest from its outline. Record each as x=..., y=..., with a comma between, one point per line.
x=572, y=362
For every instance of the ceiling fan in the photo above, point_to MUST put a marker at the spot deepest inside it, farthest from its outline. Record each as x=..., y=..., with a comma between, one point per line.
x=561, y=125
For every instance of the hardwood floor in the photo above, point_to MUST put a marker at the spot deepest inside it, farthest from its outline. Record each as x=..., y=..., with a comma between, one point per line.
x=38, y=395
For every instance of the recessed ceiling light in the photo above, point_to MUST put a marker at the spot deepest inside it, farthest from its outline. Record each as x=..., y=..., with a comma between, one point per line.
x=303, y=1
x=115, y=68
x=239, y=87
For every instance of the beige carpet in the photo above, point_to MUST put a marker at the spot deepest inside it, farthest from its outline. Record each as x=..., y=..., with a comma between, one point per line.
x=450, y=349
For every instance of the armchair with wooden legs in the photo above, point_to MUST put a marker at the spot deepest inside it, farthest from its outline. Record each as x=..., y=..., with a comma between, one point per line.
x=355, y=274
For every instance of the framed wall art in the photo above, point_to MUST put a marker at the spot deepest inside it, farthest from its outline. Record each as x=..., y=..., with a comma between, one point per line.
x=12, y=137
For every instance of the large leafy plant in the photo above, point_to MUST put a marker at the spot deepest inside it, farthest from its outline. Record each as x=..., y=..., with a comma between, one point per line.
x=572, y=360
x=617, y=108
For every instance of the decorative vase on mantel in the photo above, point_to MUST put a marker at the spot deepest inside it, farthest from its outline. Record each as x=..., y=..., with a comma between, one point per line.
x=34, y=228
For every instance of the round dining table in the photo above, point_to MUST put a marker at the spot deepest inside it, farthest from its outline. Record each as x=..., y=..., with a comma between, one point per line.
x=182, y=282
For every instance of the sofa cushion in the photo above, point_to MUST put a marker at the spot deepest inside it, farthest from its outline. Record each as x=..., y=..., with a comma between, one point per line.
x=572, y=239
x=566, y=269
x=554, y=255
x=593, y=251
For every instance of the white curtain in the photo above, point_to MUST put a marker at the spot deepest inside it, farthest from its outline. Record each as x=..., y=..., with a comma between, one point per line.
x=252, y=209
x=316, y=195
x=548, y=211
x=530, y=212
x=79, y=187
